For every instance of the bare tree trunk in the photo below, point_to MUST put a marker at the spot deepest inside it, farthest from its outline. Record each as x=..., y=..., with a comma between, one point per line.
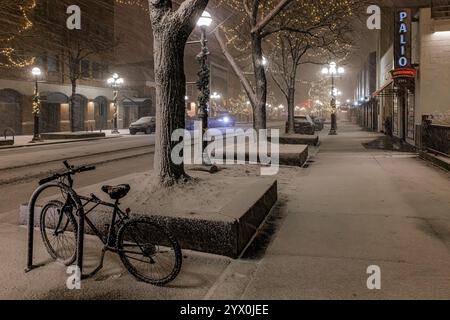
x=237, y=70
x=257, y=96
x=291, y=108
x=170, y=104
x=171, y=29
x=259, y=105
x=72, y=104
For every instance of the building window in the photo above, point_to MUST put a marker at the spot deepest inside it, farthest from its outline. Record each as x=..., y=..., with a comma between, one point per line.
x=40, y=62
x=411, y=116
x=53, y=63
x=96, y=71
x=85, y=69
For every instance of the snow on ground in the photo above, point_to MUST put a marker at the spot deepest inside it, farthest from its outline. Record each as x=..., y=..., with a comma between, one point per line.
x=202, y=197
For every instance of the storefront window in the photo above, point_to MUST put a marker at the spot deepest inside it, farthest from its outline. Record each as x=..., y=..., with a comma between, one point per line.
x=396, y=118
x=85, y=69
x=52, y=63
x=411, y=116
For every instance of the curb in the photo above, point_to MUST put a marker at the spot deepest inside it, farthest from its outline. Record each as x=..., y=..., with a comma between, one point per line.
x=57, y=142
x=435, y=160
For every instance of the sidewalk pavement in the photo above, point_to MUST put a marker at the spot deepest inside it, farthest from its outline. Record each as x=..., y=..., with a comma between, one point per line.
x=199, y=273
x=25, y=140
x=351, y=209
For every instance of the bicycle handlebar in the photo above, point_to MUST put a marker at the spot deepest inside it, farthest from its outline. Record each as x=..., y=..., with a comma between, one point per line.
x=72, y=170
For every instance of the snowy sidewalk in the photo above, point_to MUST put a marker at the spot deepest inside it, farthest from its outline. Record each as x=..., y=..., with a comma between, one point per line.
x=353, y=208
x=199, y=273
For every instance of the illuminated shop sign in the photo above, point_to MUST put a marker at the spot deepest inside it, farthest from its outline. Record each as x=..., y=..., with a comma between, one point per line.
x=403, y=38
x=403, y=69
x=404, y=73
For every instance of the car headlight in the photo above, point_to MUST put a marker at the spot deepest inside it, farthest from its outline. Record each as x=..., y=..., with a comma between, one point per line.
x=226, y=119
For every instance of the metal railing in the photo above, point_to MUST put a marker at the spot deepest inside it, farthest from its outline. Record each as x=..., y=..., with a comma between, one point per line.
x=436, y=138
x=8, y=137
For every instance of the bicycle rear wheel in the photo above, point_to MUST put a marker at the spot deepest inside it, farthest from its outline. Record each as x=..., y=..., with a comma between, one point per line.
x=59, y=232
x=149, y=252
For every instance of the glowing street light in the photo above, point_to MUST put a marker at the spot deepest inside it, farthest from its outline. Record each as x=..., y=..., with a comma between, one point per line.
x=36, y=72
x=204, y=75
x=333, y=70
x=205, y=20
x=115, y=82
x=216, y=96
x=264, y=61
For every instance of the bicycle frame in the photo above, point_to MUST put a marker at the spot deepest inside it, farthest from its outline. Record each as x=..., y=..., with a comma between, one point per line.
x=118, y=216
x=97, y=202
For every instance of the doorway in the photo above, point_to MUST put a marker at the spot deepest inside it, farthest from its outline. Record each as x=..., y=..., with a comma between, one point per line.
x=79, y=112
x=49, y=119
x=10, y=110
x=101, y=113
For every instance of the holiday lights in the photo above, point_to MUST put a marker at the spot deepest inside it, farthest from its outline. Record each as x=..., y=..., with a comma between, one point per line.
x=9, y=52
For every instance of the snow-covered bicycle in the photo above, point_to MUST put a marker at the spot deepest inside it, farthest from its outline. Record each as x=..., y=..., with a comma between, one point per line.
x=148, y=251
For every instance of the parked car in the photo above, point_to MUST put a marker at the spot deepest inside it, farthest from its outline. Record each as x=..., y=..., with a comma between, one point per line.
x=303, y=125
x=223, y=120
x=318, y=122
x=146, y=125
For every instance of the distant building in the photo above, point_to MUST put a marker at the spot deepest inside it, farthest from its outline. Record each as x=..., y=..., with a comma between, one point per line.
x=412, y=73
x=132, y=59
x=92, y=109
x=367, y=115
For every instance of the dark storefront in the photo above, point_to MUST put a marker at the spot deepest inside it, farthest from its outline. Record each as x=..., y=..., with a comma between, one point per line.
x=101, y=113
x=10, y=110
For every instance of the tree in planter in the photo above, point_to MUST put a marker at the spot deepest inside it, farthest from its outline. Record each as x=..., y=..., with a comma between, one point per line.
x=325, y=37
x=264, y=19
x=257, y=17
x=171, y=30
x=240, y=107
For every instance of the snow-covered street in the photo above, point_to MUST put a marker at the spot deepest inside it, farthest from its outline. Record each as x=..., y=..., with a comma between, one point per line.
x=22, y=168
x=352, y=208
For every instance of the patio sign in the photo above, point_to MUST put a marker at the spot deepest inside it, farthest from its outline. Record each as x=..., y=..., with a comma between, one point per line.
x=403, y=70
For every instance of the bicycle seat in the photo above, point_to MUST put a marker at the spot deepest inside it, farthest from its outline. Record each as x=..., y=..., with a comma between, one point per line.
x=117, y=192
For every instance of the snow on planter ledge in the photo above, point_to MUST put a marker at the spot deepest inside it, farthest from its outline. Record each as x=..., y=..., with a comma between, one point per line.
x=217, y=214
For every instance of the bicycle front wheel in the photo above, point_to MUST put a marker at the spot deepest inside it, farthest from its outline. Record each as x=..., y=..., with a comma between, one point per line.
x=59, y=231
x=149, y=252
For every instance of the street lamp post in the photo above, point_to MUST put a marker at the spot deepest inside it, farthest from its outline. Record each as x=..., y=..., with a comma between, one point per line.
x=204, y=75
x=115, y=82
x=36, y=105
x=333, y=70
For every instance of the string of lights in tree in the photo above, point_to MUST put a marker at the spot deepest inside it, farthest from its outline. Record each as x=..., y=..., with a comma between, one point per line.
x=9, y=52
x=25, y=9
x=299, y=15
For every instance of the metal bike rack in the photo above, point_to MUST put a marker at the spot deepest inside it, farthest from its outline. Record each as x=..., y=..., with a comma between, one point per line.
x=7, y=141
x=31, y=212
